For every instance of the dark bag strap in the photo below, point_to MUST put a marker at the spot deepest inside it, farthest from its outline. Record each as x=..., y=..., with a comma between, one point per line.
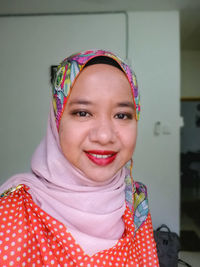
x=163, y=226
x=184, y=263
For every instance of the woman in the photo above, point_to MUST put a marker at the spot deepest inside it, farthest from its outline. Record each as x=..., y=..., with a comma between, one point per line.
x=79, y=206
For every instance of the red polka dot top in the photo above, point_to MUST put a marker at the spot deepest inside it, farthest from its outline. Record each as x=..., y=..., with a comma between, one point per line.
x=31, y=237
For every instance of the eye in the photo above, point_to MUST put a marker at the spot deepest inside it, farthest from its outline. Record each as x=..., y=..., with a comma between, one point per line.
x=123, y=116
x=81, y=113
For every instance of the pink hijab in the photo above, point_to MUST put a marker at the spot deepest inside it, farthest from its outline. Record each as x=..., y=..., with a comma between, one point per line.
x=92, y=211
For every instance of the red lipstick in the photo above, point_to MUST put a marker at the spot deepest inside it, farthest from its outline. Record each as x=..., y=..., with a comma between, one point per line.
x=101, y=157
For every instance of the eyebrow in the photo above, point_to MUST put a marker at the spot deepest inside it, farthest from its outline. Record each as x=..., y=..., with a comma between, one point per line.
x=86, y=102
x=126, y=104
x=80, y=102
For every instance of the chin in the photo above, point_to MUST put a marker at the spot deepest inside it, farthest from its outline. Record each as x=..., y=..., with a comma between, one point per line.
x=102, y=177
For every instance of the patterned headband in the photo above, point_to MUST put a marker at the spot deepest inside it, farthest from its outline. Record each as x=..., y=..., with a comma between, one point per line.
x=70, y=68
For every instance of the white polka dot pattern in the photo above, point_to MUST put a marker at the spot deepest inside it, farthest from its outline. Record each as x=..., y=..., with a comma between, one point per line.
x=31, y=237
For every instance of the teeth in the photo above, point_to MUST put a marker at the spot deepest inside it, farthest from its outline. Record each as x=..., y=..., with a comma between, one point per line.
x=100, y=156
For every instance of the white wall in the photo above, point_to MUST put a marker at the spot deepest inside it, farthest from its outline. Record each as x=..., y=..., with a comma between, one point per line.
x=154, y=50
x=190, y=73
x=28, y=47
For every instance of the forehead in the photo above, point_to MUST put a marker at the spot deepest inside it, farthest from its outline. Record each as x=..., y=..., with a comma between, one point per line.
x=101, y=79
x=93, y=73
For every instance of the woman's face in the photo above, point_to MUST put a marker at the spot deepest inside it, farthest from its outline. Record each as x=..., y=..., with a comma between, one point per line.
x=98, y=128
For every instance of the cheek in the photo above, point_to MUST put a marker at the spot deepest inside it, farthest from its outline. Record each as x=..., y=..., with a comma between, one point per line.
x=71, y=137
x=129, y=138
x=65, y=137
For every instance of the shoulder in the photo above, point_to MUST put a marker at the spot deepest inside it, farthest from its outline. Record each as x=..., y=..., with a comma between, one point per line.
x=12, y=197
x=13, y=225
x=9, y=191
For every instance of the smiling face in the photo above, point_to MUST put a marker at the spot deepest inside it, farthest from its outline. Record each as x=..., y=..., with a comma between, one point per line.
x=98, y=128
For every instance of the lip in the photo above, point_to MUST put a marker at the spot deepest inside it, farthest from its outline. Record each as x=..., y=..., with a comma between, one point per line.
x=101, y=157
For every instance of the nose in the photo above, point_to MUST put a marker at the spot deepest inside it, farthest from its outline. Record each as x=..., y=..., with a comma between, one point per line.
x=103, y=132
